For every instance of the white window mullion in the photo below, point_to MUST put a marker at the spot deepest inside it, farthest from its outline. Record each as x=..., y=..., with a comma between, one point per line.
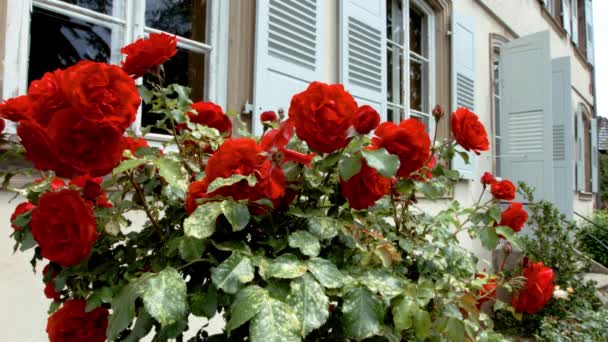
x=406, y=60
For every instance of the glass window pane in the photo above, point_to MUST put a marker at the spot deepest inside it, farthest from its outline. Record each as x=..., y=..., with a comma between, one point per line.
x=185, y=68
x=418, y=90
x=109, y=7
x=495, y=68
x=395, y=75
x=58, y=41
x=185, y=18
x=423, y=119
x=394, y=21
x=497, y=115
x=416, y=32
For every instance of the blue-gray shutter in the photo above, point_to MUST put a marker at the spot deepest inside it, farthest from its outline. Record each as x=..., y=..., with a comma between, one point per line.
x=362, y=32
x=580, y=150
x=563, y=137
x=525, y=115
x=463, y=81
x=594, y=157
x=288, y=51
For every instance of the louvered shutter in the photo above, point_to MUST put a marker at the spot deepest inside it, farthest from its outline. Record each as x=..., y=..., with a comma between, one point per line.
x=589, y=31
x=363, y=51
x=574, y=9
x=594, y=157
x=287, y=53
x=525, y=114
x=566, y=16
x=463, y=81
x=563, y=136
x=580, y=151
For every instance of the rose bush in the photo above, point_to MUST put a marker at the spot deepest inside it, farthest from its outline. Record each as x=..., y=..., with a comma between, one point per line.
x=312, y=231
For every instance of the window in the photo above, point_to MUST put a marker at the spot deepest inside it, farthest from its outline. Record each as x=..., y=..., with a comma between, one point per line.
x=583, y=147
x=410, y=61
x=496, y=42
x=62, y=32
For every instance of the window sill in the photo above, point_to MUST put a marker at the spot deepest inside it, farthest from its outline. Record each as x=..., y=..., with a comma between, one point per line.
x=585, y=196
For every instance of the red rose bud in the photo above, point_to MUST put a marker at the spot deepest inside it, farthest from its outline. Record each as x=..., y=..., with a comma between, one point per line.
x=365, y=188
x=269, y=116
x=514, y=217
x=49, y=289
x=487, y=178
x=211, y=115
x=322, y=116
x=21, y=209
x=537, y=291
x=134, y=144
x=63, y=225
x=148, y=54
x=437, y=112
x=73, y=323
x=468, y=131
x=408, y=140
x=366, y=120
x=503, y=190
x=91, y=187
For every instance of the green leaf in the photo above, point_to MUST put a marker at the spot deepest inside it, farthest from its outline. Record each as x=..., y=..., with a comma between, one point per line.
x=488, y=238
x=308, y=300
x=123, y=310
x=164, y=296
x=324, y=228
x=403, y=314
x=510, y=235
x=422, y=324
x=464, y=155
x=385, y=163
x=222, y=182
x=275, y=322
x=363, y=314
x=171, y=171
x=350, y=166
x=127, y=165
x=381, y=281
x=232, y=273
x=142, y=326
x=455, y=329
x=236, y=213
x=326, y=272
x=306, y=242
x=191, y=248
x=204, y=304
x=247, y=303
x=495, y=213
x=286, y=266
x=201, y=223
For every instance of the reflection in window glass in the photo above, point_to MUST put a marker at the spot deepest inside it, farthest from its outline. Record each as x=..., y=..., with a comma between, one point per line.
x=416, y=27
x=416, y=85
x=185, y=68
x=496, y=96
x=101, y=6
x=185, y=18
x=58, y=41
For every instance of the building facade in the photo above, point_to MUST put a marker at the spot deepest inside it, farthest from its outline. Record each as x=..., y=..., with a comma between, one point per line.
x=524, y=66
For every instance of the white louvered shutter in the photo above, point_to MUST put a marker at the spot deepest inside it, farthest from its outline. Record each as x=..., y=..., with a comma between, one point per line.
x=287, y=53
x=594, y=157
x=566, y=16
x=463, y=82
x=363, y=51
x=526, y=113
x=574, y=9
x=563, y=136
x=589, y=31
x=580, y=151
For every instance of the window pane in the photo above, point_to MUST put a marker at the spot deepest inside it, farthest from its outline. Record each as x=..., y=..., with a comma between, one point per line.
x=418, y=91
x=495, y=68
x=395, y=113
x=185, y=68
x=395, y=75
x=185, y=18
x=58, y=41
x=416, y=32
x=423, y=119
x=109, y=7
x=394, y=21
x=497, y=115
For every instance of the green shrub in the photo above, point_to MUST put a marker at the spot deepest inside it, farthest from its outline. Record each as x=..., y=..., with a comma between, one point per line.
x=580, y=325
x=588, y=235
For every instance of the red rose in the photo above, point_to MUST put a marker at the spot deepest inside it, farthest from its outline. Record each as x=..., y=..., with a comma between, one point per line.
x=366, y=120
x=56, y=183
x=365, y=188
x=16, y=109
x=514, y=217
x=63, y=225
x=274, y=143
x=408, y=140
x=211, y=115
x=504, y=190
x=468, y=131
x=146, y=54
x=537, y=291
x=488, y=292
x=2, y=125
x=269, y=116
x=239, y=156
x=103, y=201
x=101, y=93
x=21, y=209
x=49, y=288
x=72, y=323
x=46, y=96
x=134, y=144
x=487, y=178
x=39, y=148
x=91, y=187
x=322, y=115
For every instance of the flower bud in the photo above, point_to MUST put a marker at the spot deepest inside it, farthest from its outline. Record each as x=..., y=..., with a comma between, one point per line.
x=437, y=112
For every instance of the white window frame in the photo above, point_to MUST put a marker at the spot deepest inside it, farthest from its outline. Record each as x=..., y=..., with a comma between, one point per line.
x=496, y=42
x=17, y=43
x=431, y=61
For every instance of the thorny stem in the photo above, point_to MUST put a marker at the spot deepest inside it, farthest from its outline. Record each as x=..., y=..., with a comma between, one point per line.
x=144, y=204
x=179, y=148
